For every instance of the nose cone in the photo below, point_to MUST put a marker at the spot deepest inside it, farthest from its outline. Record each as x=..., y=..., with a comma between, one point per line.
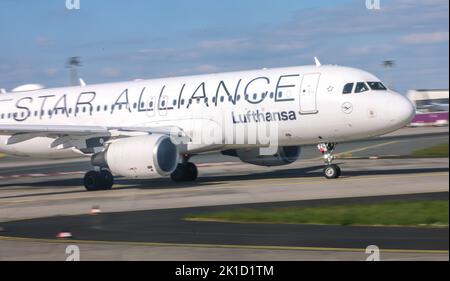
x=402, y=111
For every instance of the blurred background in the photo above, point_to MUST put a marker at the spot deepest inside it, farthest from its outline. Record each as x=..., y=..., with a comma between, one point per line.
x=404, y=42
x=399, y=179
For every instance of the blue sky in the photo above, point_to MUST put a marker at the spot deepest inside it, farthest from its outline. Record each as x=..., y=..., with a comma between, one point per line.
x=123, y=40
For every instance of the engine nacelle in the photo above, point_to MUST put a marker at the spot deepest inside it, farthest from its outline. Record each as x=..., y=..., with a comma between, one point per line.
x=285, y=155
x=140, y=157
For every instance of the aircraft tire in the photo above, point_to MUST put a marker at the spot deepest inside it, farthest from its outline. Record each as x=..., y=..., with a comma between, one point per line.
x=107, y=179
x=94, y=181
x=332, y=171
x=185, y=172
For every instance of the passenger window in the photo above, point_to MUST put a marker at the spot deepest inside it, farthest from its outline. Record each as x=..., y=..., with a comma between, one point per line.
x=361, y=87
x=348, y=88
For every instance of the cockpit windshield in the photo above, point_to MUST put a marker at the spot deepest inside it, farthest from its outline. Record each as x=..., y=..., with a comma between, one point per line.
x=348, y=88
x=363, y=87
x=377, y=86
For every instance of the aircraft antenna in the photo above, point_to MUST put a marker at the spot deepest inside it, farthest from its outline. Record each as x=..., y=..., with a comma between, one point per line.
x=316, y=60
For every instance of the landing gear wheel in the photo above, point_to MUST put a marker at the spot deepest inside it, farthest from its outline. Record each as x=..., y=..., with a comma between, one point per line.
x=92, y=181
x=339, y=171
x=107, y=179
x=332, y=171
x=185, y=172
x=102, y=180
x=192, y=171
x=179, y=173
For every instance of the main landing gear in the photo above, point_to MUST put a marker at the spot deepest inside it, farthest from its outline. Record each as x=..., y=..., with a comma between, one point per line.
x=330, y=171
x=185, y=171
x=102, y=179
x=98, y=180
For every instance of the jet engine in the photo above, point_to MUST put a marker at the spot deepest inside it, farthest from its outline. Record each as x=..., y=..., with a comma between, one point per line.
x=146, y=156
x=285, y=155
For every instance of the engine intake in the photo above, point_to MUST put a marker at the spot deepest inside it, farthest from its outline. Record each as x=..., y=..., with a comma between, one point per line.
x=140, y=157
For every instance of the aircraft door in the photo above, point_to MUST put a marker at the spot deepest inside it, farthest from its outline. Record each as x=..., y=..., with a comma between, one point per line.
x=308, y=93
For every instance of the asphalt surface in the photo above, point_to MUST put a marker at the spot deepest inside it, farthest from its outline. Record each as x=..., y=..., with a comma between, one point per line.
x=40, y=198
x=223, y=184
x=170, y=226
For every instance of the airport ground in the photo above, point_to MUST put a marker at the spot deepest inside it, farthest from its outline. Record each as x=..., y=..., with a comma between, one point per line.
x=145, y=219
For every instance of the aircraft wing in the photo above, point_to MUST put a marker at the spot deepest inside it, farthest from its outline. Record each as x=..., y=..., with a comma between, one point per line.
x=67, y=136
x=50, y=129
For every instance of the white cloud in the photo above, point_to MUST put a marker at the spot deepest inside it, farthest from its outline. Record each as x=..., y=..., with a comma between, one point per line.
x=227, y=44
x=199, y=69
x=372, y=49
x=207, y=68
x=166, y=54
x=425, y=38
x=42, y=41
x=110, y=72
x=51, y=71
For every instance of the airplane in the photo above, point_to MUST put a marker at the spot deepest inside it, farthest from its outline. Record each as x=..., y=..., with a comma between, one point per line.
x=435, y=107
x=151, y=128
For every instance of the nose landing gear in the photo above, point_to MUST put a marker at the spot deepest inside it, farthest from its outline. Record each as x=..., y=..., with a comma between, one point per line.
x=330, y=171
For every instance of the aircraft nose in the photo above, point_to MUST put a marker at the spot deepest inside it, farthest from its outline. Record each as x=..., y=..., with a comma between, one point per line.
x=402, y=110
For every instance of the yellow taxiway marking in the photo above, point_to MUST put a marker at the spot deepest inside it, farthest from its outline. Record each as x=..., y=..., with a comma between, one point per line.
x=367, y=147
x=349, y=152
x=201, y=219
x=250, y=184
x=350, y=178
x=220, y=246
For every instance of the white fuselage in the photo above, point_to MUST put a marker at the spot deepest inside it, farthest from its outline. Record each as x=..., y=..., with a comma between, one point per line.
x=306, y=103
